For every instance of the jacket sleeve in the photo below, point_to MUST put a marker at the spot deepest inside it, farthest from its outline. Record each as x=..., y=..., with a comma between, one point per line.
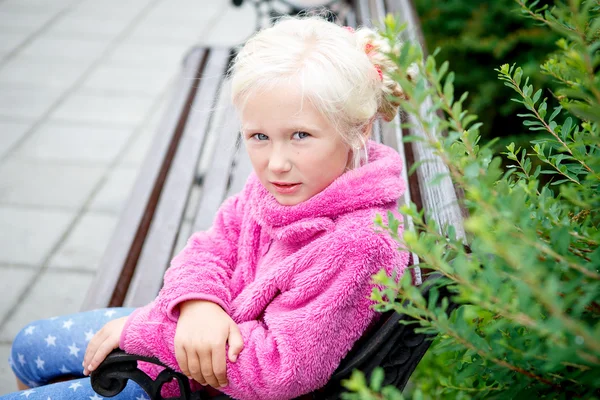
x=311, y=326
x=203, y=269
x=306, y=330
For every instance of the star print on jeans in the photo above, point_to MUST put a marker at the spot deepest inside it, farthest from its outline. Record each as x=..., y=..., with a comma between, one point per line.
x=29, y=330
x=27, y=393
x=89, y=335
x=50, y=341
x=74, y=350
x=40, y=363
x=67, y=324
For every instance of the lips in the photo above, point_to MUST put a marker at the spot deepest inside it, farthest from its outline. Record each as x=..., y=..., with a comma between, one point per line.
x=286, y=188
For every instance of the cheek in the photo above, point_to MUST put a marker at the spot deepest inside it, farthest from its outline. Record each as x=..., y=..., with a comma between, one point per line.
x=257, y=157
x=327, y=165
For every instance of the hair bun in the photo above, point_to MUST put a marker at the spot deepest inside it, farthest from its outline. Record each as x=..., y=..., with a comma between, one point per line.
x=376, y=48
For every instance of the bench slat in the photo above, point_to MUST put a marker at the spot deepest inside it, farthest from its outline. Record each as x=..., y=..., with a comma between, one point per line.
x=241, y=170
x=440, y=200
x=392, y=136
x=118, y=261
x=224, y=133
x=158, y=247
x=363, y=16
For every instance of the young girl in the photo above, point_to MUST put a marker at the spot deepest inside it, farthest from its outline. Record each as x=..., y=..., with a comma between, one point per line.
x=266, y=303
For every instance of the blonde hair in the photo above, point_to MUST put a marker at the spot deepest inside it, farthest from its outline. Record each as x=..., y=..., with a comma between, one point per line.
x=336, y=67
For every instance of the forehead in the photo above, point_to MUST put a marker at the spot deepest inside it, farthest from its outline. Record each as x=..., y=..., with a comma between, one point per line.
x=281, y=104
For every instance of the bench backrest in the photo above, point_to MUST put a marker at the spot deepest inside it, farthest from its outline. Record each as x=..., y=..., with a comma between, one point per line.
x=153, y=210
x=195, y=162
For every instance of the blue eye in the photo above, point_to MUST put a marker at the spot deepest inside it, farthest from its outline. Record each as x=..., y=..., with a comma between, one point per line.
x=301, y=135
x=260, y=137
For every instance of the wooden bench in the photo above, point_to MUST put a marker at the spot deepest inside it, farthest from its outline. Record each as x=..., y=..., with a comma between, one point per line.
x=196, y=162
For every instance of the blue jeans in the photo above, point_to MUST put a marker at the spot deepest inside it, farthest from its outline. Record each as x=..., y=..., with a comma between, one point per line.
x=53, y=348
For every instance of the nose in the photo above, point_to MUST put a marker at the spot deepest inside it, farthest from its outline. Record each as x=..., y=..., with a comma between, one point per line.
x=279, y=162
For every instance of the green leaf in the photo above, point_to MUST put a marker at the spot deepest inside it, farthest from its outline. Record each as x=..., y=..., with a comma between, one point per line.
x=443, y=69
x=449, y=88
x=517, y=76
x=566, y=128
x=537, y=95
x=557, y=110
x=377, y=379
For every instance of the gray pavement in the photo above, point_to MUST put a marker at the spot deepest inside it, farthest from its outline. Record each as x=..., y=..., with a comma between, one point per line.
x=83, y=84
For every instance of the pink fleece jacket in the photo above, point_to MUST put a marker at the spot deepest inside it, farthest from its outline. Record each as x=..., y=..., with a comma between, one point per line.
x=296, y=280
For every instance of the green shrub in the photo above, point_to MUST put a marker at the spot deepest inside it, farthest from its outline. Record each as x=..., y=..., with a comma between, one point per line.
x=529, y=281
x=475, y=37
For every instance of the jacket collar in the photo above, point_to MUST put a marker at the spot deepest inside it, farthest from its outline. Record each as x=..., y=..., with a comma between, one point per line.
x=374, y=184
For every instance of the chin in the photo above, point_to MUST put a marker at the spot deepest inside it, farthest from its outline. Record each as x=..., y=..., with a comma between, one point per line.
x=287, y=200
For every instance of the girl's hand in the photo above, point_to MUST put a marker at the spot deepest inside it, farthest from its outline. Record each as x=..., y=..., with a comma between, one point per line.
x=203, y=329
x=103, y=342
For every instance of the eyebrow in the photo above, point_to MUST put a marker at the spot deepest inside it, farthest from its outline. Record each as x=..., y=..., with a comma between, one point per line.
x=292, y=128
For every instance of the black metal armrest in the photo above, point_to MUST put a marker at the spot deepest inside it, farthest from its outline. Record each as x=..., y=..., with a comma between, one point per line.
x=392, y=345
x=110, y=378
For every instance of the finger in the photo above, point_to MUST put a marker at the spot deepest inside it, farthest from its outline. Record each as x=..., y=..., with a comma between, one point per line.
x=206, y=368
x=194, y=367
x=91, y=350
x=182, y=361
x=236, y=342
x=219, y=365
x=103, y=350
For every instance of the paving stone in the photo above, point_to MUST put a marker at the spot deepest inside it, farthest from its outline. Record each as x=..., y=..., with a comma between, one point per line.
x=108, y=78
x=11, y=40
x=25, y=72
x=35, y=6
x=136, y=153
x=168, y=31
x=46, y=184
x=74, y=143
x=78, y=24
x=86, y=243
x=115, y=191
x=163, y=26
x=7, y=378
x=14, y=280
x=189, y=10
x=47, y=48
x=54, y=293
x=115, y=109
x=141, y=53
x=221, y=34
x=27, y=234
x=10, y=133
x=27, y=103
x=111, y=9
x=27, y=21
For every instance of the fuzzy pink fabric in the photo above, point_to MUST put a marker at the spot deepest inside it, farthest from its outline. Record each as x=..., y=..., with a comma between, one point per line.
x=296, y=280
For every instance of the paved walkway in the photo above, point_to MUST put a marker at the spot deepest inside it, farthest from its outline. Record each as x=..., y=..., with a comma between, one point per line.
x=83, y=84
